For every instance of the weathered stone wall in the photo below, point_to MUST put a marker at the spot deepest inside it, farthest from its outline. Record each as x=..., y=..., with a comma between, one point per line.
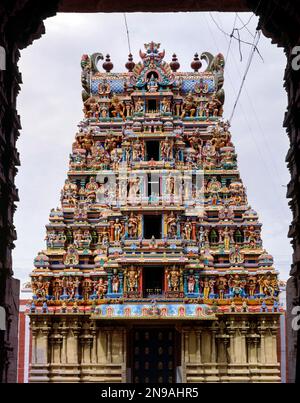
x=73, y=348
x=238, y=348
x=20, y=23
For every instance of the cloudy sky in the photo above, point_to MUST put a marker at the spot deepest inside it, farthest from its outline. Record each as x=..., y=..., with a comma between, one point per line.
x=50, y=107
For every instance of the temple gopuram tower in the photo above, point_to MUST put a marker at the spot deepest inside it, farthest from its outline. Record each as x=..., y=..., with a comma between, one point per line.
x=154, y=269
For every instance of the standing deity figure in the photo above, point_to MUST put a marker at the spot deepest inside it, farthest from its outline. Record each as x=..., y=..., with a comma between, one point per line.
x=117, y=107
x=133, y=225
x=118, y=230
x=88, y=142
x=187, y=230
x=137, y=151
x=226, y=238
x=86, y=288
x=202, y=236
x=134, y=188
x=70, y=288
x=252, y=282
x=189, y=106
x=171, y=225
x=191, y=282
x=57, y=288
x=251, y=236
x=132, y=279
x=174, y=279
x=170, y=185
x=115, y=281
x=167, y=149
x=221, y=284
x=206, y=287
x=235, y=255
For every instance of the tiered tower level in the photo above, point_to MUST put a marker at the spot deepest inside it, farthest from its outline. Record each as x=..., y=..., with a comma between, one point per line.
x=154, y=268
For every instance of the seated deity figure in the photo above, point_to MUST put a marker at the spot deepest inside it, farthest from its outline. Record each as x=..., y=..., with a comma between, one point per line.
x=165, y=105
x=189, y=106
x=214, y=107
x=139, y=105
x=152, y=84
x=91, y=188
x=209, y=154
x=117, y=107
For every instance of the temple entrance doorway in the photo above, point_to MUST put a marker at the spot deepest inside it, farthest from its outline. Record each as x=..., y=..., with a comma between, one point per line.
x=155, y=354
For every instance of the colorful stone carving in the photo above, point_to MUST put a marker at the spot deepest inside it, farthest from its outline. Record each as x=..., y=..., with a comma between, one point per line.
x=153, y=186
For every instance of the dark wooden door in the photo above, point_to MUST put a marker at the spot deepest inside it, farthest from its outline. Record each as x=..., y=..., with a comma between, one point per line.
x=153, y=355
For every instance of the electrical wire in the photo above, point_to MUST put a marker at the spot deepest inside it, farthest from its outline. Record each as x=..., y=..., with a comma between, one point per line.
x=255, y=43
x=232, y=36
x=127, y=32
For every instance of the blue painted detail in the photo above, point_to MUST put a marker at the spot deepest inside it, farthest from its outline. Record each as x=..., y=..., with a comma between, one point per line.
x=116, y=86
x=188, y=85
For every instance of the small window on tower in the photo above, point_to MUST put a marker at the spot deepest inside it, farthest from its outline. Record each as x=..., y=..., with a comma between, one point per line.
x=152, y=149
x=152, y=106
x=152, y=226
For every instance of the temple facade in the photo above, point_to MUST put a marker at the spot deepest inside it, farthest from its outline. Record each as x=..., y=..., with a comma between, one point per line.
x=154, y=269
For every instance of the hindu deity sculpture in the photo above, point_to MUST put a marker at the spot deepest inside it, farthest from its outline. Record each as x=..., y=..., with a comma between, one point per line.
x=132, y=278
x=115, y=283
x=117, y=107
x=118, y=230
x=133, y=225
x=167, y=149
x=189, y=106
x=174, y=279
x=191, y=282
x=187, y=230
x=171, y=225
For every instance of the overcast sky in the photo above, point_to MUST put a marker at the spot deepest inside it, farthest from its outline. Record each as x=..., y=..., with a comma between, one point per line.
x=50, y=107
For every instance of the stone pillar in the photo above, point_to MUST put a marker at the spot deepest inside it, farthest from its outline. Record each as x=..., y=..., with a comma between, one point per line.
x=198, y=346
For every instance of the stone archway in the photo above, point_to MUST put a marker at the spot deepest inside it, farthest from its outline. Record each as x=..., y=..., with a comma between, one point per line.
x=21, y=22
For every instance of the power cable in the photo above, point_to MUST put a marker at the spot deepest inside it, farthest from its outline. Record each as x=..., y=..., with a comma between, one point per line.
x=255, y=43
x=127, y=32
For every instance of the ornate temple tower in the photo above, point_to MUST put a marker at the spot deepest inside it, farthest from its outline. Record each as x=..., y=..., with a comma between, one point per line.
x=154, y=269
